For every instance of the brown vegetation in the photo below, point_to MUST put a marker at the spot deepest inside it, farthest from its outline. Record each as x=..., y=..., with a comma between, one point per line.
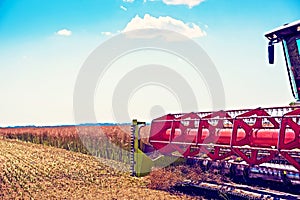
x=166, y=178
x=111, y=142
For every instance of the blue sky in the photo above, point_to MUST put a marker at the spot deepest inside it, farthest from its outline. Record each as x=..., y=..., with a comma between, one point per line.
x=44, y=44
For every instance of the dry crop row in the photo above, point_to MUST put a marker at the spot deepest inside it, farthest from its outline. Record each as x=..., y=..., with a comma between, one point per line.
x=111, y=142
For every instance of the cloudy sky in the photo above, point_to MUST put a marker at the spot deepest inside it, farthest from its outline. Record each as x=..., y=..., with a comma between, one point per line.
x=43, y=45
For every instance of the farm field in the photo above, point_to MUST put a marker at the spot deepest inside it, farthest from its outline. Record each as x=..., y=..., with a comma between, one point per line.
x=70, y=137
x=36, y=171
x=112, y=142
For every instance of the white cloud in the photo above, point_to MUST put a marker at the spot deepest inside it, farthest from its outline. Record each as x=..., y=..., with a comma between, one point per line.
x=189, y=3
x=123, y=8
x=188, y=29
x=64, y=32
x=128, y=1
x=106, y=33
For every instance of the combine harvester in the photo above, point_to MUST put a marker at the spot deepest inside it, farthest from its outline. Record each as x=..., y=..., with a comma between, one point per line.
x=256, y=143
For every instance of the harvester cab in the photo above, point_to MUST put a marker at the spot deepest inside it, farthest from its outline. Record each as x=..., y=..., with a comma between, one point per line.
x=289, y=36
x=252, y=143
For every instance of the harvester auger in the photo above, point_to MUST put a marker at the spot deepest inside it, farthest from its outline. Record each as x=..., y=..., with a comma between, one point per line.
x=261, y=142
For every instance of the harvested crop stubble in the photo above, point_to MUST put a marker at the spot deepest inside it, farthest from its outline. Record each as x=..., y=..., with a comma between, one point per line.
x=30, y=171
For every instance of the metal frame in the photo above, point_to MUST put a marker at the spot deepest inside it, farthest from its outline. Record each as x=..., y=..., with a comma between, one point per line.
x=247, y=147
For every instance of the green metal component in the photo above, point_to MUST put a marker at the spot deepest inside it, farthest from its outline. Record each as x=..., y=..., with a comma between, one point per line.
x=163, y=161
x=141, y=164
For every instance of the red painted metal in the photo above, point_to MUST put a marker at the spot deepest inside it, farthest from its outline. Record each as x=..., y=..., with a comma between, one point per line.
x=289, y=136
x=256, y=136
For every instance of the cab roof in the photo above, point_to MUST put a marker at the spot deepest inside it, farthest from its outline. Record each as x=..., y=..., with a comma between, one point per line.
x=283, y=31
